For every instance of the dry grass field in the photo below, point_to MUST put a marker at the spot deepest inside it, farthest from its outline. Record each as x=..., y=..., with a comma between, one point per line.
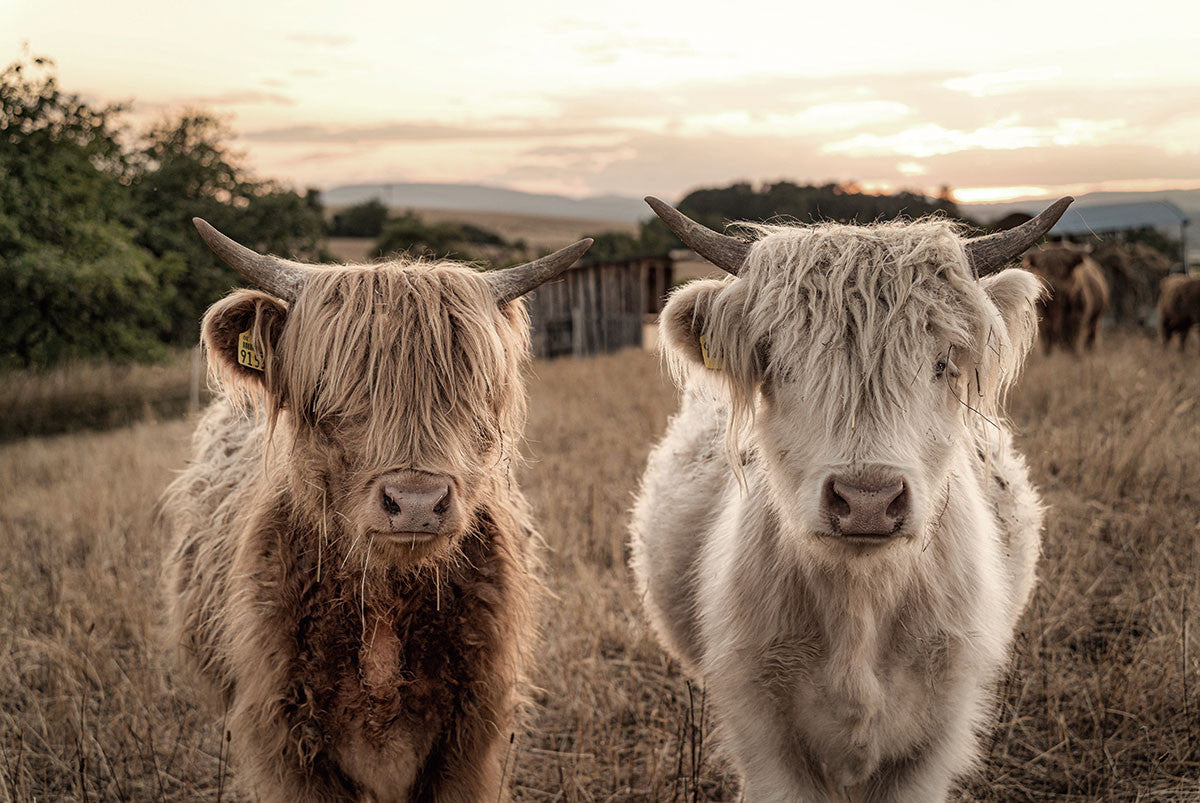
x=1102, y=700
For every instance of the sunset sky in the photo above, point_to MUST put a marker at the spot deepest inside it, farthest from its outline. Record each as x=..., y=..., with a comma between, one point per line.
x=998, y=100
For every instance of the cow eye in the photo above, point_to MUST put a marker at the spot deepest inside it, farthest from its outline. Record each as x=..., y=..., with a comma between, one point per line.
x=946, y=365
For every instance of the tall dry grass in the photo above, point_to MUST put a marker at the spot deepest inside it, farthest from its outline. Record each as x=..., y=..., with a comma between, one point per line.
x=1102, y=701
x=81, y=396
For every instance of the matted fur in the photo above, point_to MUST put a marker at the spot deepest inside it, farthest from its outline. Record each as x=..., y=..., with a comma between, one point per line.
x=348, y=669
x=839, y=671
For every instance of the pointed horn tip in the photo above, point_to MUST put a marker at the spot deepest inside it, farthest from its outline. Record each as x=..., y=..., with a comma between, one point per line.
x=577, y=249
x=1062, y=203
x=201, y=224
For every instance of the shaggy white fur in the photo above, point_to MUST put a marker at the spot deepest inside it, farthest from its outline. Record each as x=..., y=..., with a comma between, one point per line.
x=840, y=670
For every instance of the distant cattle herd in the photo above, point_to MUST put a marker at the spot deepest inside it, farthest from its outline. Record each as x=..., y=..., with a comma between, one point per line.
x=1128, y=282
x=836, y=535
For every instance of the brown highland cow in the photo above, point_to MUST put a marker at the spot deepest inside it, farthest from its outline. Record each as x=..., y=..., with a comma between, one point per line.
x=1178, y=307
x=1077, y=295
x=351, y=575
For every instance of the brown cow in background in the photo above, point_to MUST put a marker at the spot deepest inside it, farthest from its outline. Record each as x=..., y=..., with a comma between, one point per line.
x=1133, y=272
x=1178, y=307
x=1077, y=295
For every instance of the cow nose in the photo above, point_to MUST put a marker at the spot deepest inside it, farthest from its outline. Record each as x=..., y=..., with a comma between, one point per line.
x=866, y=508
x=415, y=504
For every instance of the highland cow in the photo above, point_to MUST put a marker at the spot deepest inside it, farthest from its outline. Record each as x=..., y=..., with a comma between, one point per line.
x=352, y=570
x=836, y=534
x=1178, y=307
x=1076, y=298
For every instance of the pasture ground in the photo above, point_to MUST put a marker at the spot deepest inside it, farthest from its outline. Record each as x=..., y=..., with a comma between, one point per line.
x=1102, y=700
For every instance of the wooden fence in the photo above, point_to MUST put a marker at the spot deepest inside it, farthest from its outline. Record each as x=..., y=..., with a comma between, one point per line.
x=598, y=307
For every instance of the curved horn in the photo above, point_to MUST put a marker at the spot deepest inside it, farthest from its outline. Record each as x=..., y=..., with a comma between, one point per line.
x=279, y=277
x=515, y=282
x=727, y=253
x=989, y=253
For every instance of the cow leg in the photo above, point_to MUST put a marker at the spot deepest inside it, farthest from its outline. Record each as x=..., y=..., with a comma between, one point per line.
x=470, y=768
x=773, y=766
x=925, y=777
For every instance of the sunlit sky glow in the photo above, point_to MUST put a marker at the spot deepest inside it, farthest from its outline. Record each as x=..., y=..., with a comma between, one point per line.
x=998, y=100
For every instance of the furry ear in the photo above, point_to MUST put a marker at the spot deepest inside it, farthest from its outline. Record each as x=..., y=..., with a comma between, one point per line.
x=681, y=323
x=241, y=333
x=1015, y=292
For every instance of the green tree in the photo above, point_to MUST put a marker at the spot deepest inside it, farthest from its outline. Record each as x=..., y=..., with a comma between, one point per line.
x=98, y=256
x=361, y=220
x=410, y=234
x=74, y=280
x=184, y=168
x=614, y=245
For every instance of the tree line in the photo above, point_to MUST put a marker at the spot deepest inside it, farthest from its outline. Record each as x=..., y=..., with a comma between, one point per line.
x=779, y=201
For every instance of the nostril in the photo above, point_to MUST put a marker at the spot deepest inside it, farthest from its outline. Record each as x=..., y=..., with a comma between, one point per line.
x=443, y=504
x=835, y=503
x=899, y=505
x=389, y=505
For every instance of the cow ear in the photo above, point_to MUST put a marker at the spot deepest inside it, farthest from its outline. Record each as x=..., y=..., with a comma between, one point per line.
x=682, y=323
x=1015, y=292
x=241, y=335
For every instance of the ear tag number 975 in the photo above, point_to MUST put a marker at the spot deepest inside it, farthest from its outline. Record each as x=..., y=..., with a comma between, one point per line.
x=247, y=356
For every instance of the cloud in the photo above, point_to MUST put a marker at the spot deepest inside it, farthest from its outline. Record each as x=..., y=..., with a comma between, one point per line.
x=240, y=97
x=314, y=39
x=999, y=83
x=910, y=130
x=413, y=132
x=931, y=139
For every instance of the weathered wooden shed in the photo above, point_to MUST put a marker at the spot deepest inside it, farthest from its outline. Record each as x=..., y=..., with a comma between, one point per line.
x=598, y=307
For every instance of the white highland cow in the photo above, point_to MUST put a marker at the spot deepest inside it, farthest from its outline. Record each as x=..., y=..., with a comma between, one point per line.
x=836, y=535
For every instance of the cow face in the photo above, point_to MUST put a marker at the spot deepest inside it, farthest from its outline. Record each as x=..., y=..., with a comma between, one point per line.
x=394, y=390
x=867, y=361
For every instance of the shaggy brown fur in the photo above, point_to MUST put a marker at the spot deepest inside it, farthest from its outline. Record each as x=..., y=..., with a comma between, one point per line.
x=1077, y=295
x=1178, y=307
x=351, y=667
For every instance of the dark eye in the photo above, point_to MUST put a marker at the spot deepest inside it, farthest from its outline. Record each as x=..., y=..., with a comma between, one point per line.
x=946, y=365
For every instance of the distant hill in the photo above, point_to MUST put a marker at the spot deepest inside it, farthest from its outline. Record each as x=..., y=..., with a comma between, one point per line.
x=1187, y=200
x=479, y=198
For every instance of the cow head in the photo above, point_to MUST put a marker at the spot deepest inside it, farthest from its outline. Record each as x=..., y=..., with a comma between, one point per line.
x=393, y=392
x=868, y=362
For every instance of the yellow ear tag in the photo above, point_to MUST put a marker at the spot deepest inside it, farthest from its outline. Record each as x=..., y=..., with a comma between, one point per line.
x=247, y=356
x=710, y=362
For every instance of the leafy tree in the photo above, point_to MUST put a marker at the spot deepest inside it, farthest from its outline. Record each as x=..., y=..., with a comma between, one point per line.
x=615, y=245
x=185, y=168
x=98, y=257
x=361, y=220
x=410, y=234
x=74, y=281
